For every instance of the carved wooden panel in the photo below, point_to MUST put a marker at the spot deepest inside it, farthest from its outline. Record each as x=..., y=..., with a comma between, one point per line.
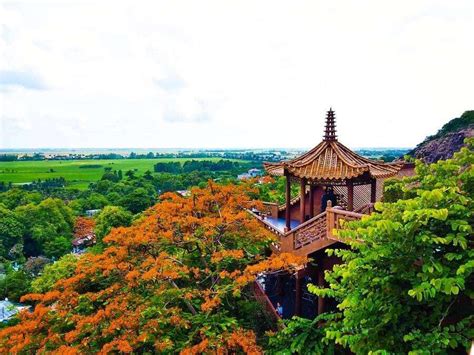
x=311, y=232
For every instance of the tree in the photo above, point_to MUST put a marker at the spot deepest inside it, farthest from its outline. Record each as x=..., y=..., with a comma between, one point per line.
x=111, y=217
x=130, y=174
x=63, y=268
x=35, y=265
x=57, y=246
x=11, y=230
x=18, y=197
x=137, y=201
x=50, y=222
x=406, y=284
x=302, y=336
x=170, y=283
x=83, y=226
x=15, y=284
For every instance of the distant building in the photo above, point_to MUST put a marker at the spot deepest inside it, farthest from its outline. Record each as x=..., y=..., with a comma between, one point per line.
x=184, y=193
x=80, y=244
x=252, y=173
x=9, y=309
x=91, y=213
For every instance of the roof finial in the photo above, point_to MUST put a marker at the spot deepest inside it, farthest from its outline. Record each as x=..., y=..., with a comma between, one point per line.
x=330, y=128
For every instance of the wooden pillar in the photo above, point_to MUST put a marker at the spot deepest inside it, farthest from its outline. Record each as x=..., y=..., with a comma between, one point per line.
x=373, y=190
x=298, y=295
x=288, y=199
x=311, y=201
x=350, y=195
x=302, y=200
x=320, y=284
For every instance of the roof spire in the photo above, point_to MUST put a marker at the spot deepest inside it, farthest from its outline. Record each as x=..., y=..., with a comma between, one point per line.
x=330, y=128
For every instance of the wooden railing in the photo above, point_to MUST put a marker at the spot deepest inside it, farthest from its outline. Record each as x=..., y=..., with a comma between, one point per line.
x=310, y=231
x=307, y=237
x=270, y=209
x=314, y=234
x=335, y=219
x=365, y=209
x=267, y=225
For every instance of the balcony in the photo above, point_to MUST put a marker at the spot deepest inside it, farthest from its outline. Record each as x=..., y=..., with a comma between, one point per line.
x=315, y=234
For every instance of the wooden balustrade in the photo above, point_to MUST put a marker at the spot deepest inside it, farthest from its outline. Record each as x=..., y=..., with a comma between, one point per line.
x=335, y=219
x=270, y=209
x=314, y=234
x=366, y=209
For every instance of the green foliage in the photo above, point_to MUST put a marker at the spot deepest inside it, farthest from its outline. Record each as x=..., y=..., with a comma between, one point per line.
x=18, y=197
x=274, y=191
x=57, y=247
x=48, y=227
x=14, y=284
x=137, y=201
x=399, y=189
x=11, y=231
x=408, y=285
x=303, y=336
x=63, y=268
x=111, y=217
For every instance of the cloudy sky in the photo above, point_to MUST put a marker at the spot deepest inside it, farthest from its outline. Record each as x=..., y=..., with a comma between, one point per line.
x=231, y=73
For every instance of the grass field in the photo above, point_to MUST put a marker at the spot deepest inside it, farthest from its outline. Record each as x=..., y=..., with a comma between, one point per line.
x=27, y=171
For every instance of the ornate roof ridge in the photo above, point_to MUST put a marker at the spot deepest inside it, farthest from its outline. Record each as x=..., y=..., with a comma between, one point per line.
x=331, y=159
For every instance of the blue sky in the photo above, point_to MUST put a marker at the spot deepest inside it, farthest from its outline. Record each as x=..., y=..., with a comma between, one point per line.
x=218, y=74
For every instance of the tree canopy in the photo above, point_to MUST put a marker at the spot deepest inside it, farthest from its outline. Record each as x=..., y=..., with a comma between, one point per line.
x=172, y=282
x=406, y=284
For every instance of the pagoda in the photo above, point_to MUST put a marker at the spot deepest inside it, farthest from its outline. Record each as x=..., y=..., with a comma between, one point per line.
x=331, y=164
x=305, y=224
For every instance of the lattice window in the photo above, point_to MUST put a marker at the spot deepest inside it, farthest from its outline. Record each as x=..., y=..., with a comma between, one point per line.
x=361, y=194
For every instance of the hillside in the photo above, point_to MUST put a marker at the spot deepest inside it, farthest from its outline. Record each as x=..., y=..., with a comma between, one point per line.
x=449, y=139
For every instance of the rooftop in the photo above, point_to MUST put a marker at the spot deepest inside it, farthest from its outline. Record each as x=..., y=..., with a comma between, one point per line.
x=331, y=160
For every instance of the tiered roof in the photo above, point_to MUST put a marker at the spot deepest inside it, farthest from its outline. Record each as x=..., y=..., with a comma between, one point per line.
x=331, y=160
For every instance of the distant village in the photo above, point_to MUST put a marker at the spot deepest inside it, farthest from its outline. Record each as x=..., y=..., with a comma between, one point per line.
x=271, y=155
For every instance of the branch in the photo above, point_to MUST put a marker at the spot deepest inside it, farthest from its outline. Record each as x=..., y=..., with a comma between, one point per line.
x=188, y=304
x=446, y=312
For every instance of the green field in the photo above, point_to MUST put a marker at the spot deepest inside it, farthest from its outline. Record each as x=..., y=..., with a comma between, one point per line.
x=27, y=171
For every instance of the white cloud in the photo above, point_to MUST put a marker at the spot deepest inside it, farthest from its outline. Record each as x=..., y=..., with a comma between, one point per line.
x=232, y=73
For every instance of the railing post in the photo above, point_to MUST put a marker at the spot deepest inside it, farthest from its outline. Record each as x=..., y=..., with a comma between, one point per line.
x=329, y=219
x=287, y=243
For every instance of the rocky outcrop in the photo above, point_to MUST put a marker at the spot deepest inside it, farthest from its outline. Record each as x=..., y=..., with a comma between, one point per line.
x=447, y=141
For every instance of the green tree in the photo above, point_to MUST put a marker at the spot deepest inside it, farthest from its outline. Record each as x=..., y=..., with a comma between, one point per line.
x=45, y=223
x=302, y=336
x=406, y=284
x=111, y=217
x=57, y=247
x=11, y=230
x=63, y=268
x=14, y=284
x=95, y=201
x=137, y=201
x=18, y=197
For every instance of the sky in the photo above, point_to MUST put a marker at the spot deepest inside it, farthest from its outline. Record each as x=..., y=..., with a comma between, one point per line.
x=231, y=74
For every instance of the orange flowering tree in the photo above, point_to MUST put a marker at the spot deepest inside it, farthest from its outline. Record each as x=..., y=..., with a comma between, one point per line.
x=83, y=226
x=173, y=282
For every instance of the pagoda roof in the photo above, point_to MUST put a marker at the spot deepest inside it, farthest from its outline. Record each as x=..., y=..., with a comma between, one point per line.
x=331, y=160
